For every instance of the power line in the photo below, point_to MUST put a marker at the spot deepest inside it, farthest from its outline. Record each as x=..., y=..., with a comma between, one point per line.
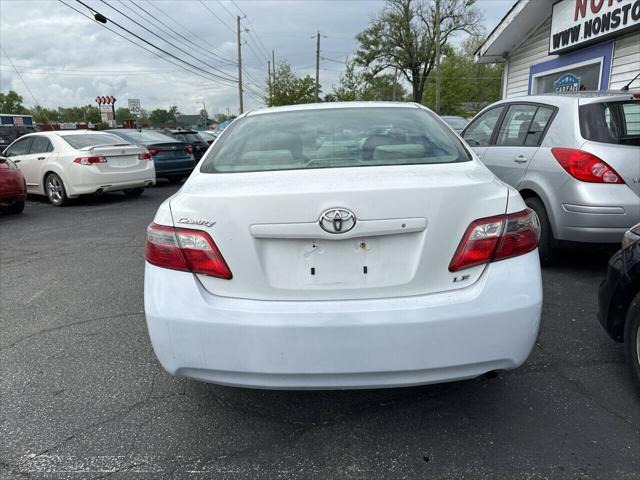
x=23, y=81
x=228, y=77
x=214, y=14
x=173, y=33
x=259, y=44
x=198, y=70
x=213, y=47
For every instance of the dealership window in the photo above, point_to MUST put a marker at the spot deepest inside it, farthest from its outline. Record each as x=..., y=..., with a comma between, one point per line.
x=584, y=77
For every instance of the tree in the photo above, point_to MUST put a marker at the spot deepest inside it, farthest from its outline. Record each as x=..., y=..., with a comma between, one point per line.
x=11, y=102
x=355, y=84
x=123, y=114
x=466, y=86
x=164, y=118
x=44, y=115
x=87, y=114
x=289, y=89
x=403, y=37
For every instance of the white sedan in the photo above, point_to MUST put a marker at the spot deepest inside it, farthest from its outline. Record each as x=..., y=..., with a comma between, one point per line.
x=299, y=256
x=66, y=164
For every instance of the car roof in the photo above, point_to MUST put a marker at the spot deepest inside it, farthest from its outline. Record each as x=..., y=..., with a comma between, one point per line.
x=570, y=98
x=332, y=105
x=64, y=133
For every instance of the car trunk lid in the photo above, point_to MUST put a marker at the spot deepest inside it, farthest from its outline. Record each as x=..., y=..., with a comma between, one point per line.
x=409, y=222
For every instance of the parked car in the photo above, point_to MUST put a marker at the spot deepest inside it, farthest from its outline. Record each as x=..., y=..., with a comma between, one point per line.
x=619, y=299
x=191, y=137
x=208, y=137
x=13, y=188
x=575, y=158
x=173, y=159
x=8, y=133
x=279, y=264
x=66, y=164
x=455, y=122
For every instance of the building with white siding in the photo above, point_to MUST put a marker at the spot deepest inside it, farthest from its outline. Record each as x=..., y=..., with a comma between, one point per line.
x=554, y=46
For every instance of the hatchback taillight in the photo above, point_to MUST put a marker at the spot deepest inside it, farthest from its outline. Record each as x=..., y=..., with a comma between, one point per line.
x=497, y=238
x=89, y=160
x=585, y=166
x=185, y=250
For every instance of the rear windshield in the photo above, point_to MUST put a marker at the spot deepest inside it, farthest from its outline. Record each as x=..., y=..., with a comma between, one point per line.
x=456, y=122
x=145, y=136
x=344, y=137
x=611, y=122
x=188, y=137
x=93, y=140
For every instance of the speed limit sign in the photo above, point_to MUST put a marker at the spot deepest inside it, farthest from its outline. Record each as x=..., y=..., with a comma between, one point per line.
x=134, y=106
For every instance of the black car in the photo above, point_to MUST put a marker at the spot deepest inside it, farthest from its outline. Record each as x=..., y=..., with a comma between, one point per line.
x=173, y=159
x=8, y=133
x=191, y=137
x=619, y=299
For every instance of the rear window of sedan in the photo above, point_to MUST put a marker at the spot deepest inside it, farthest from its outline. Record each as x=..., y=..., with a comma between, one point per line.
x=340, y=137
x=189, y=137
x=611, y=122
x=92, y=140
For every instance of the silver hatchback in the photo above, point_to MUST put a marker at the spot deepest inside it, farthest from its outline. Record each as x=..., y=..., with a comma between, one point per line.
x=575, y=158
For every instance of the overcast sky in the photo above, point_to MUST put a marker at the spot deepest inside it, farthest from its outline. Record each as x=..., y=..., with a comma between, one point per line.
x=66, y=59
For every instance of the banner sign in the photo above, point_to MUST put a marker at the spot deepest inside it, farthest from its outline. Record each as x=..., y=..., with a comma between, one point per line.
x=567, y=83
x=575, y=23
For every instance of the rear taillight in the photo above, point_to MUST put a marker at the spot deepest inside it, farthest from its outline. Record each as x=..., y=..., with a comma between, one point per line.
x=497, y=238
x=585, y=166
x=188, y=149
x=89, y=160
x=185, y=250
x=154, y=150
x=144, y=156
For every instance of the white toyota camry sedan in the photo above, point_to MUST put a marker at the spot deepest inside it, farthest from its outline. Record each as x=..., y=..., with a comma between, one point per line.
x=334, y=246
x=66, y=164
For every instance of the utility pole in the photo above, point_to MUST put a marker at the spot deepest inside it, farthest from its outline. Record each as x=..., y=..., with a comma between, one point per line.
x=239, y=66
x=438, y=57
x=269, y=84
x=318, y=66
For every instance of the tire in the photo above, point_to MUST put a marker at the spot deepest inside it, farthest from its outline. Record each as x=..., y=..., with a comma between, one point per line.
x=133, y=192
x=16, y=207
x=175, y=178
x=632, y=339
x=547, y=247
x=54, y=188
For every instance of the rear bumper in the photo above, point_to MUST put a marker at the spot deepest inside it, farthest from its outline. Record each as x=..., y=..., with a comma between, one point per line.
x=85, y=180
x=490, y=325
x=600, y=217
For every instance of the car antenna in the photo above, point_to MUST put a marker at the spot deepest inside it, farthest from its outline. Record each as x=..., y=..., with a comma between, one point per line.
x=626, y=87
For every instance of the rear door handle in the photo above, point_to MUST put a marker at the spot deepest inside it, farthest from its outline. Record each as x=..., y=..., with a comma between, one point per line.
x=520, y=159
x=16, y=161
x=41, y=158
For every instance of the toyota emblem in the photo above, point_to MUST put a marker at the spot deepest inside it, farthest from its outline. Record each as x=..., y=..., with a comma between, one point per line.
x=337, y=220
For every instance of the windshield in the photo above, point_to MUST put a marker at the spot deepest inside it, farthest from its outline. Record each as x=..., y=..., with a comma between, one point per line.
x=341, y=137
x=189, y=137
x=611, y=122
x=144, y=137
x=93, y=140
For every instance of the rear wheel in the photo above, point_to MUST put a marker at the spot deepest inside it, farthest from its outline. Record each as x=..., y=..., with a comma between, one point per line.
x=55, y=190
x=632, y=338
x=133, y=192
x=547, y=247
x=175, y=178
x=16, y=207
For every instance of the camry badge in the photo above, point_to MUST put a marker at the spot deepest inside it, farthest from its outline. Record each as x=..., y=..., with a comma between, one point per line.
x=337, y=220
x=191, y=221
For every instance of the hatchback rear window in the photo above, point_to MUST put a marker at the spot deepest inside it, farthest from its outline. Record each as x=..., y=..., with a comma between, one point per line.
x=611, y=122
x=93, y=140
x=341, y=137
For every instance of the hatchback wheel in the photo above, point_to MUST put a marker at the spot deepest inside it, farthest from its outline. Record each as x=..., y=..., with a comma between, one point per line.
x=133, y=192
x=632, y=338
x=547, y=247
x=56, y=192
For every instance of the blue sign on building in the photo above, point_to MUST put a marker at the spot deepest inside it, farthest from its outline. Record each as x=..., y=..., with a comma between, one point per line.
x=567, y=83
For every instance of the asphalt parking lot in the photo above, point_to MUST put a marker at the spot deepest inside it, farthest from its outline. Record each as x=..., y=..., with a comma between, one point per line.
x=82, y=395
